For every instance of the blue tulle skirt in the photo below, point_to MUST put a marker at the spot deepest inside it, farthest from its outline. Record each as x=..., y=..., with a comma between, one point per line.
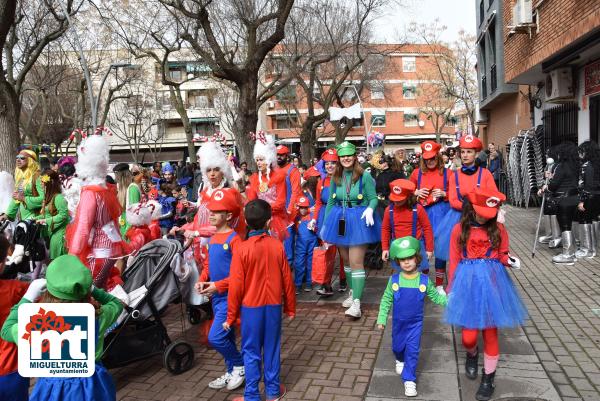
x=441, y=233
x=357, y=232
x=483, y=296
x=424, y=263
x=321, y=219
x=99, y=387
x=437, y=212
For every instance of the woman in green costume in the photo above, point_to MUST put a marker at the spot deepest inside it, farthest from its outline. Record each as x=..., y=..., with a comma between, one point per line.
x=29, y=194
x=54, y=215
x=128, y=192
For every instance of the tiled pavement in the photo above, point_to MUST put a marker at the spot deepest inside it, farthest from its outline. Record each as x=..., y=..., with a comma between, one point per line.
x=326, y=357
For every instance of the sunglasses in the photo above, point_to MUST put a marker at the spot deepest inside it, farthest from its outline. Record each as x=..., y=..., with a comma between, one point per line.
x=21, y=157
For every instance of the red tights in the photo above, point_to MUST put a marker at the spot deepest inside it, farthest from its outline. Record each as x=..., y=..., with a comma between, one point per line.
x=490, y=340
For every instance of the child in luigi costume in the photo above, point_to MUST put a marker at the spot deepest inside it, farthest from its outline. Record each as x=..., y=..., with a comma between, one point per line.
x=68, y=280
x=406, y=291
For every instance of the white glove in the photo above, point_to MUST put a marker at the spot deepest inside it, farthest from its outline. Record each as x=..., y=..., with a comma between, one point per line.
x=312, y=225
x=35, y=290
x=17, y=255
x=234, y=174
x=368, y=216
x=514, y=262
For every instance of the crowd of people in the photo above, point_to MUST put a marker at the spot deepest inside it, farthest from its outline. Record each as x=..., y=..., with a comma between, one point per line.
x=253, y=235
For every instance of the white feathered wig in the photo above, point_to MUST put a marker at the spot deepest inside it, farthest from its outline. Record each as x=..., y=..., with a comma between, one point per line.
x=92, y=160
x=7, y=186
x=138, y=214
x=155, y=209
x=211, y=155
x=267, y=150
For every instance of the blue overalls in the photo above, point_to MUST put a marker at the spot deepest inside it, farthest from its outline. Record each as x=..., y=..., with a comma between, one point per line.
x=436, y=212
x=288, y=244
x=261, y=339
x=324, y=198
x=15, y=387
x=306, y=241
x=219, y=262
x=425, y=262
x=407, y=324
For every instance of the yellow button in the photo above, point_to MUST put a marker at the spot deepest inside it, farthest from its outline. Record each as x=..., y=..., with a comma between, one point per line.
x=333, y=196
x=422, y=288
x=225, y=246
x=360, y=196
x=395, y=287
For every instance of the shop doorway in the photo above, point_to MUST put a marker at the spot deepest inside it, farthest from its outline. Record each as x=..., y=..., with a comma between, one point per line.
x=595, y=118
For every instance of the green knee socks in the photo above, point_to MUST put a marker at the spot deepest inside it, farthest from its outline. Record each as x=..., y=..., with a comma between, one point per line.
x=358, y=283
x=348, y=272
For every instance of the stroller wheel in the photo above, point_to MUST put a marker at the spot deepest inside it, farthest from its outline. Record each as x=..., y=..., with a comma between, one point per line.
x=178, y=357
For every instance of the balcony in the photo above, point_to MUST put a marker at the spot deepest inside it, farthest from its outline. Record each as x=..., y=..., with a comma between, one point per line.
x=493, y=78
x=483, y=93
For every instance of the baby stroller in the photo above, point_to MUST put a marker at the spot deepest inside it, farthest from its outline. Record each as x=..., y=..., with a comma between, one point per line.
x=151, y=284
x=29, y=251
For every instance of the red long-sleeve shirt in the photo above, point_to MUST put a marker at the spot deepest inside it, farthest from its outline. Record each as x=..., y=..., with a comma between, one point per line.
x=322, y=184
x=467, y=184
x=296, y=189
x=403, y=222
x=477, y=247
x=431, y=179
x=219, y=239
x=11, y=292
x=259, y=276
x=138, y=237
x=277, y=179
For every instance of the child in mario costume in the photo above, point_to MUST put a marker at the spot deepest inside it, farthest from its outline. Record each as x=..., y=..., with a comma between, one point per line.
x=68, y=280
x=405, y=216
x=260, y=279
x=306, y=241
x=406, y=292
x=482, y=294
x=214, y=282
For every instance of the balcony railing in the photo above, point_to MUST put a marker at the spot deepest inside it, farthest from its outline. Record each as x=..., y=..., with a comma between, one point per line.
x=493, y=78
x=483, y=87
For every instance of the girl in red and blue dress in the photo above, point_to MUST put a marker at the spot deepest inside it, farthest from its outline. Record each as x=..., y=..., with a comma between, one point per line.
x=463, y=181
x=432, y=180
x=482, y=294
x=330, y=159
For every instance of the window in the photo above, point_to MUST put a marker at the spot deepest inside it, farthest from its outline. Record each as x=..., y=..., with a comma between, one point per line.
x=451, y=121
x=358, y=122
x=377, y=90
x=287, y=94
x=175, y=74
x=411, y=120
x=378, y=120
x=492, y=42
x=135, y=101
x=285, y=121
x=409, y=91
x=409, y=64
x=200, y=99
x=133, y=72
x=163, y=100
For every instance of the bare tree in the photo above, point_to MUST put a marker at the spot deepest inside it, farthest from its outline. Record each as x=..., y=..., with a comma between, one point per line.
x=453, y=64
x=437, y=105
x=233, y=37
x=26, y=29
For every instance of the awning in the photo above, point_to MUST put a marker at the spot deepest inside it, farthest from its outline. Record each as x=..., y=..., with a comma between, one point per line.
x=197, y=67
x=204, y=120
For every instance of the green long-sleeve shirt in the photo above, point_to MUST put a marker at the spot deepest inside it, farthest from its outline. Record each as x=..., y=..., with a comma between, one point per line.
x=56, y=226
x=30, y=206
x=387, y=300
x=109, y=312
x=368, y=192
x=134, y=195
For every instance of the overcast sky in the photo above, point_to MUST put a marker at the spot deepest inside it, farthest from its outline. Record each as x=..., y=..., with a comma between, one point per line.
x=455, y=14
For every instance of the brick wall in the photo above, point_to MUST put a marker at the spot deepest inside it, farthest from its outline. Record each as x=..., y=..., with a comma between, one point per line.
x=560, y=22
x=508, y=116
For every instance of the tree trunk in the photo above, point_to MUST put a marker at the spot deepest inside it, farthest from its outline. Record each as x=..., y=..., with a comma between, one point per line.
x=9, y=126
x=308, y=141
x=187, y=126
x=341, y=132
x=247, y=119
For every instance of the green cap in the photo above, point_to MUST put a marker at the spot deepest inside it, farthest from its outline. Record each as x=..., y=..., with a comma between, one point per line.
x=404, y=247
x=67, y=278
x=346, y=149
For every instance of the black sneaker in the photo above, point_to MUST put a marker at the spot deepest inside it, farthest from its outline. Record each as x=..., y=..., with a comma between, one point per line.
x=297, y=290
x=343, y=286
x=325, y=291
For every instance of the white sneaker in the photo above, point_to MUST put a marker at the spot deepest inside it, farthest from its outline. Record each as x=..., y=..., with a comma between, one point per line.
x=237, y=378
x=220, y=382
x=410, y=389
x=354, y=309
x=348, y=301
x=440, y=290
x=399, y=367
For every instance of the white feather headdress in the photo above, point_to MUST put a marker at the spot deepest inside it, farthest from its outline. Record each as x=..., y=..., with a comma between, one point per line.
x=92, y=160
x=7, y=186
x=211, y=155
x=138, y=214
x=267, y=150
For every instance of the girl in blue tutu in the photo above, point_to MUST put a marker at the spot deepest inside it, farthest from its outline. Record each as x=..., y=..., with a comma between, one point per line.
x=68, y=280
x=350, y=222
x=431, y=179
x=462, y=182
x=482, y=294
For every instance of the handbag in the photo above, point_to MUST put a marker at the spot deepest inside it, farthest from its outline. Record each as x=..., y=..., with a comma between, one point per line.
x=323, y=263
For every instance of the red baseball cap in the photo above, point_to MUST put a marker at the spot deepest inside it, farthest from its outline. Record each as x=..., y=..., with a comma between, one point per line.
x=282, y=150
x=311, y=172
x=330, y=155
x=470, y=142
x=303, y=202
x=486, y=201
x=224, y=200
x=430, y=149
x=401, y=189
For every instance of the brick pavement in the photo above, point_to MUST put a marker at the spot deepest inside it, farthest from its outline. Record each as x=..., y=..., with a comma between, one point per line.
x=563, y=328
